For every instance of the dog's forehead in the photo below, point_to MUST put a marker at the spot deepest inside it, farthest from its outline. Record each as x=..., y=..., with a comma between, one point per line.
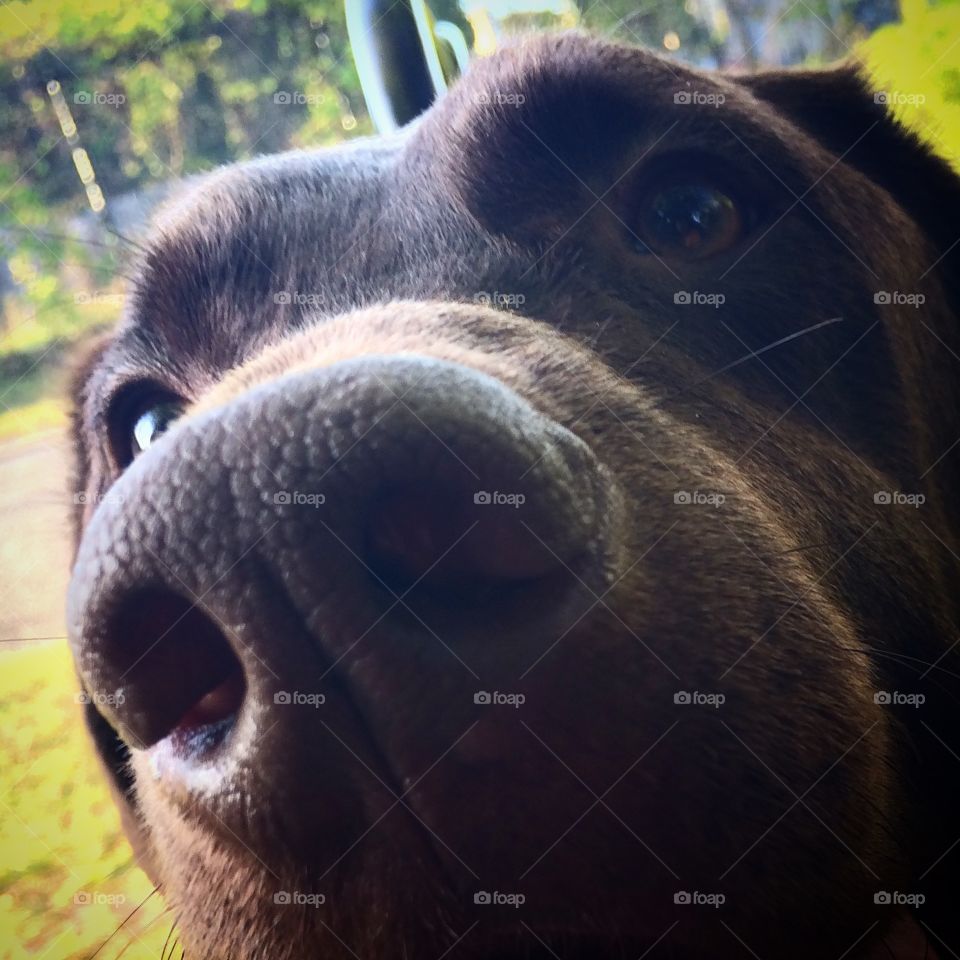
x=596, y=91
x=574, y=96
x=247, y=223
x=571, y=67
x=260, y=247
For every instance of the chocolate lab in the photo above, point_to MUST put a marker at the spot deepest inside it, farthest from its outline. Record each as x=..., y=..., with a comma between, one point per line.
x=536, y=534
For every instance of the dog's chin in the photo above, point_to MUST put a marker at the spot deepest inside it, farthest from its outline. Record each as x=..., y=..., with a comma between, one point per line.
x=400, y=896
x=899, y=937
x=902, y=939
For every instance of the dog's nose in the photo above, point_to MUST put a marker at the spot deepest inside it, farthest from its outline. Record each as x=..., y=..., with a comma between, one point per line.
x=260, y=539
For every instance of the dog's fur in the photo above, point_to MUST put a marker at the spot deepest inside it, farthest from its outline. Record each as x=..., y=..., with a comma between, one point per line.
x=799, y=599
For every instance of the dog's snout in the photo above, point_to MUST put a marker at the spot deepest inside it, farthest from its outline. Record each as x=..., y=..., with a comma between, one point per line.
x=385, y=493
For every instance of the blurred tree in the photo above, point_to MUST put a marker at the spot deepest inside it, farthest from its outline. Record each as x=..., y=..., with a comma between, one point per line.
x=916, y=64
x=166, y=87
x=151, y=91
x=743, y=34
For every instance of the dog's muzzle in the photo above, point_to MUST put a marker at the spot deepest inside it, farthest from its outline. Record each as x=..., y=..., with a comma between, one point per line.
x=263, y=547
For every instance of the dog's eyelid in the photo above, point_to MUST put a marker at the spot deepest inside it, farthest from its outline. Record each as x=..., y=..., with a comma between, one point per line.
x=129, y=391
x=736, y=179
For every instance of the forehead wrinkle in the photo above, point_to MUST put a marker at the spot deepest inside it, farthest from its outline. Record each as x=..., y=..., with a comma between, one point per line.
x=225, y=250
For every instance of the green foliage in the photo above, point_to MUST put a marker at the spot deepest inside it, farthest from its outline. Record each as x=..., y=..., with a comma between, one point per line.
x=67, y=880
x=917, y=63
x=166, y=87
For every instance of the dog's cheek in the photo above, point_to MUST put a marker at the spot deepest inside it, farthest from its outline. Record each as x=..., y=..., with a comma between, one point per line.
x=83, y=442
x=230, y=905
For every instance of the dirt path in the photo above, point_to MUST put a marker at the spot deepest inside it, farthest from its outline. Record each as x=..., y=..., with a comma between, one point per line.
x=34, y=536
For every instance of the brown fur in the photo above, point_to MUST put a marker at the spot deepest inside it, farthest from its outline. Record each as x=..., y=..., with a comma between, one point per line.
x=798, y=599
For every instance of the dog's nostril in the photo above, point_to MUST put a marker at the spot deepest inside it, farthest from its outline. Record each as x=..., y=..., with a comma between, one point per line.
x=173, y=668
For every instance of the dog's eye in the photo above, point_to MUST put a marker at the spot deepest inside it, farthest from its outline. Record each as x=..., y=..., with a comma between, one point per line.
x=151, y=422
x=689, y=219
x=138, y=417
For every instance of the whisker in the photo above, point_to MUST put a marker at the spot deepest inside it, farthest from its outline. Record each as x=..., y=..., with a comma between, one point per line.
x=167, y=941
x=28, y=639
x=922, y=667
x=127, y=240
x=174, y=943
x=829, y=543
x=806, y=546
x=753, y=354
x=908, y=661
x=136, y=939
x=124, y=922
x=51, y=235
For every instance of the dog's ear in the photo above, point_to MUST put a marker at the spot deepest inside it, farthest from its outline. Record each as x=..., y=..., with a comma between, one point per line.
x=839, y=108
x=85, y=357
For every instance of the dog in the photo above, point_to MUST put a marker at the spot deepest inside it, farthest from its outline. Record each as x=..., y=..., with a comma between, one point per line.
x=535, y=533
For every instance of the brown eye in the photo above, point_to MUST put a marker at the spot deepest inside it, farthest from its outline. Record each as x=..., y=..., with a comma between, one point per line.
x=691, y=220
